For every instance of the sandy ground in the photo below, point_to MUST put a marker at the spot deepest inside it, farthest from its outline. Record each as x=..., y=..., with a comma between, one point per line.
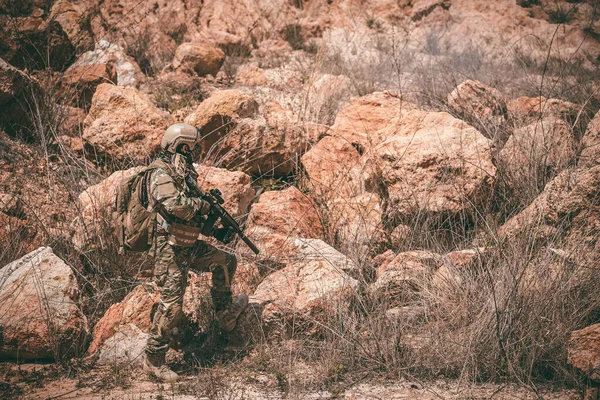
x=41, y=382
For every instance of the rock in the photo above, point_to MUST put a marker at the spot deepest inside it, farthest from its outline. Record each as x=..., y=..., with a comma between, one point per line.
x=199, y=57
x=309, y=289
x=453, y=265
x=16, y=89
x=279, y=217
x=84, y=79
x=362, y=118
x=125, y=346
x=71, y=121
x=527, y=110
x=235, y=186
x=39, y=316
x=121, y=334
x=96, y=204
x=480, y=105
x=309, y=250
x=123, y=126
x=238, y=137
x=220, y=113
x=328, y=165
x=135, y=309
x=129, y=73
x=33, y=43
x=400, y=280
x=71, y=17
x=562, y=212
x=356, y=224
x=584, y=351
x=423, y=8
x=251, y=76
x=537, y=152
x=590, y=143
x=432, y=164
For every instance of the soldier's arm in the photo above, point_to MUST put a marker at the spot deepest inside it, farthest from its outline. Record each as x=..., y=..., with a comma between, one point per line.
x=174, y=201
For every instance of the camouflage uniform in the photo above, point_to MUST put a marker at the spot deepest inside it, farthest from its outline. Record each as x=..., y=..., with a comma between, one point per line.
x=168, y=188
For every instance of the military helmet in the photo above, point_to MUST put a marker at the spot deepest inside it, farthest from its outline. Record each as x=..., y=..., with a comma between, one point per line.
x=179, y=134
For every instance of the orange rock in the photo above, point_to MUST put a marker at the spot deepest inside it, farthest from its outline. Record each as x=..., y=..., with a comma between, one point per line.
x=328, y=165
x=361, y=119
x=235, y=186
x=545, y=147
x=479, y=105
x=584, y=351
x=281, y=216
x=430, y=163
x=39, y=317
x=123, y=126
x=199, y=57
x=402, y=278
x=83, y=80
x=310, y=288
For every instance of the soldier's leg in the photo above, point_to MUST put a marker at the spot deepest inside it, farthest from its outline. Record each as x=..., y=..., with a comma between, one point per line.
x=170, y=276
x=222, y=265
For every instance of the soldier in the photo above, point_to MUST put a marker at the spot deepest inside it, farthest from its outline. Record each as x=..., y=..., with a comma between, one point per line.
x=180, y=216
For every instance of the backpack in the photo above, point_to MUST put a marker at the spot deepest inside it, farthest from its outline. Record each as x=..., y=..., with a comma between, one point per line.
x=134, y=223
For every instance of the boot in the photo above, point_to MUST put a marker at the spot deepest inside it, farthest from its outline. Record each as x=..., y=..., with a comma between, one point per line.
x=227, y=318
x=155, y=364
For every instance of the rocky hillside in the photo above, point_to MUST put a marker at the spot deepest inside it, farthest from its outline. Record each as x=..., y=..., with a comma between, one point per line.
x=420, y=176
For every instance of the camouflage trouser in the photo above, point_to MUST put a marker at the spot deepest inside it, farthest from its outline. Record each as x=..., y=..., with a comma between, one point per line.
x=170, y=273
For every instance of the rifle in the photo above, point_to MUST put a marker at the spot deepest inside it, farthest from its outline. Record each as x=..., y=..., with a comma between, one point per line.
x=215, y=200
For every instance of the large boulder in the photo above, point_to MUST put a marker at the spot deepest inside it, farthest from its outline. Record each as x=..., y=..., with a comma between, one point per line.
x=281, y=216
x=71, y=18
x=563, y=212
x=128, y=72
x=362, y=118
x=83, y=80
x=123, y=126
x=584, y=351
x=478, y=104
x=538, y=152
x=96, y=205
x=199, y=57
x=220, y=113
x=39, y=315
x=431, y=164
x=328, y=165
x=590, y=143
x=240, y=136
x=235, y=186
x=311, y=288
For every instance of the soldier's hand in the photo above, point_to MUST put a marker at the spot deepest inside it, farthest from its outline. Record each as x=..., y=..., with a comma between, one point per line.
x=203, y=206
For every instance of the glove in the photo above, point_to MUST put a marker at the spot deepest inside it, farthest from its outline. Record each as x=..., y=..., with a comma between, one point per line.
x=224, y=235
x=203, y=206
